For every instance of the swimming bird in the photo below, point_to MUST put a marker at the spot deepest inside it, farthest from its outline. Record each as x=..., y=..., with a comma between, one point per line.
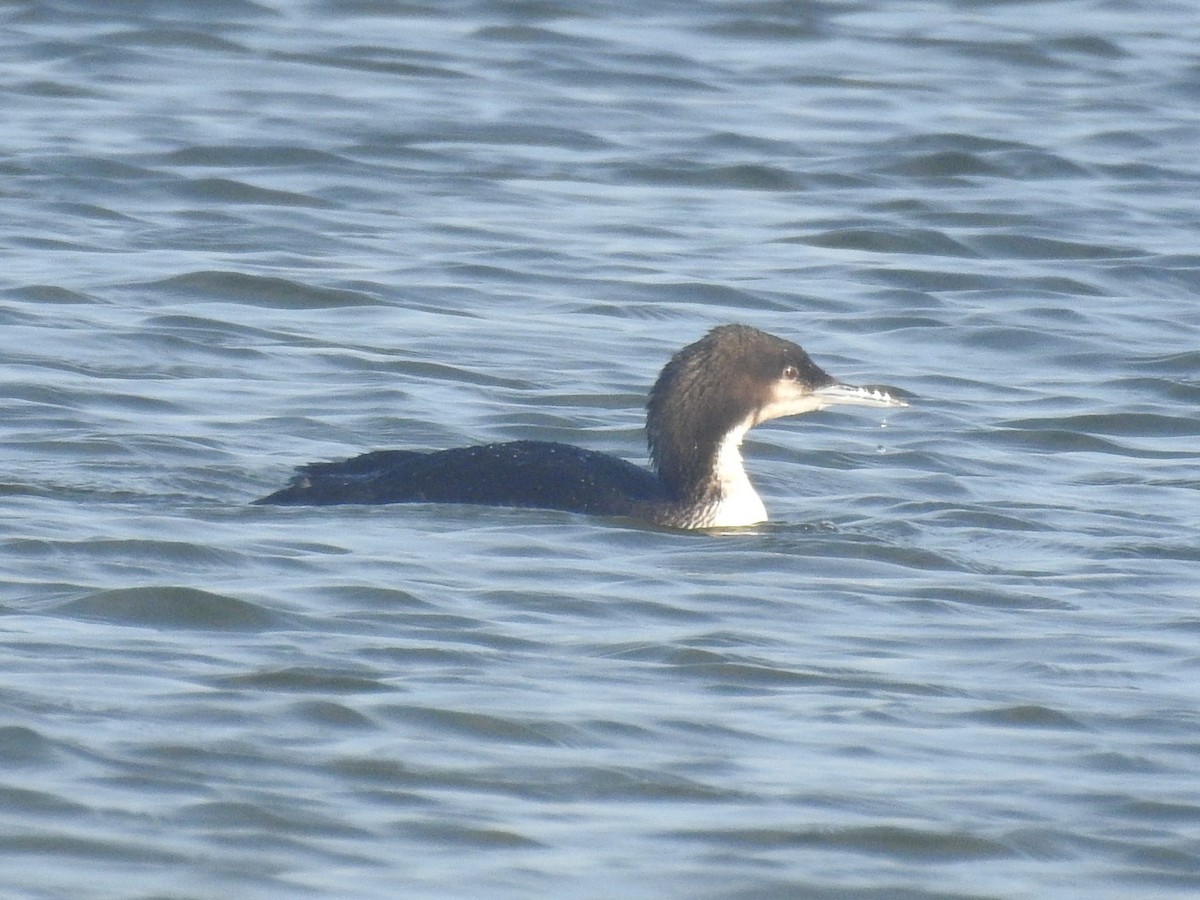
x=705, y=400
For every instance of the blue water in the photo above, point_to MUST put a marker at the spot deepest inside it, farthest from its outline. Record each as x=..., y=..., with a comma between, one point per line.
x=961, y=661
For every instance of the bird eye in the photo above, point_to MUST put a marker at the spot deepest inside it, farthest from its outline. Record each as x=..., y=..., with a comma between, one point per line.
x=790, y=373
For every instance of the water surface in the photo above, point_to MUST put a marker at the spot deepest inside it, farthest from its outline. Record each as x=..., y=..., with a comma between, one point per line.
x=959, y=662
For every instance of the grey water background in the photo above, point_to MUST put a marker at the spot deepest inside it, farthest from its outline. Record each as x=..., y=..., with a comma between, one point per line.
x=963, y=659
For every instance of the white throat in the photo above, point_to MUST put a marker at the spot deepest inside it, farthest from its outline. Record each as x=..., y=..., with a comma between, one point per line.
x=739, y=503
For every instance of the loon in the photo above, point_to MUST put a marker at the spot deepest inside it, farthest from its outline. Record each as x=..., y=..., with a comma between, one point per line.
x=705, y=400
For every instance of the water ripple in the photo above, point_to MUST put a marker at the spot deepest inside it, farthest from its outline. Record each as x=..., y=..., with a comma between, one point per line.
x=959, y=661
